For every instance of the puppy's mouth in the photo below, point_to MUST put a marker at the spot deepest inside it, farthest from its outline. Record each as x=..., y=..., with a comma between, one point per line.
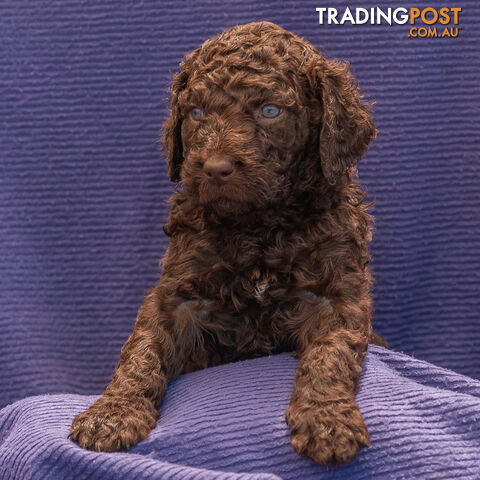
x=231, y=197
x=210, y=193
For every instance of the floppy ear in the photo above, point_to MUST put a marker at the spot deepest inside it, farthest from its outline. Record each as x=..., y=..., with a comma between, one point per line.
x=172, y=137
x=346, y=124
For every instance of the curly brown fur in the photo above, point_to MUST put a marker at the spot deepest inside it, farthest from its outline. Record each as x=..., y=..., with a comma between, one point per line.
x=269, y=241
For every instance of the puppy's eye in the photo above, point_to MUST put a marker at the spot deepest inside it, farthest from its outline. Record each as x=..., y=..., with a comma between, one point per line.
x=197, y=113
x=270, y=111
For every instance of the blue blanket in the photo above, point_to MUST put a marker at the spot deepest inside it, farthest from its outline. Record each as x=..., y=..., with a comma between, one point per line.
x=83, y=189
x=228, y=423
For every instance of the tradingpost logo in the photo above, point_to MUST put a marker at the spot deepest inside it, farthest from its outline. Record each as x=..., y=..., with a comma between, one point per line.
x=424, y=22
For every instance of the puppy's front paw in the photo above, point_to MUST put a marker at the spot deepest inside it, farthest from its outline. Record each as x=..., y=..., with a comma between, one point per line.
x=329, y=434
x=114, y=423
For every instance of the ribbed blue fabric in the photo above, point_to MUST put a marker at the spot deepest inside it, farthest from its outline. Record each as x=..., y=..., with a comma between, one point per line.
x=228, y=423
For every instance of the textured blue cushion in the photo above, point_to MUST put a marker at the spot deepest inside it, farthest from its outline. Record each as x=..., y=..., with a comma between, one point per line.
x=228, y=423
x=83, y=188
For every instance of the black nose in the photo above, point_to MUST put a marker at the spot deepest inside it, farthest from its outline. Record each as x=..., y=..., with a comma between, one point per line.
x=218, y=168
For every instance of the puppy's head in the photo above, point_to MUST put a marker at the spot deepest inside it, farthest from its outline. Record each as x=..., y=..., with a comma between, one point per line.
x=258, y=114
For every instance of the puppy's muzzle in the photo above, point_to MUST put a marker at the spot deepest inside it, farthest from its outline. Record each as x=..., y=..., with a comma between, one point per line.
x=218, y=169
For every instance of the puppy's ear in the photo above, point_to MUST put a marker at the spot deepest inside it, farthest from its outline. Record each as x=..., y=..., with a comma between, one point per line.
x=346, y=125
x=172, y=137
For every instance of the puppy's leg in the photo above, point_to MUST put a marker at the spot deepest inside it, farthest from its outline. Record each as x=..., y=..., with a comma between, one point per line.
x=325, y=422
x=126, y=412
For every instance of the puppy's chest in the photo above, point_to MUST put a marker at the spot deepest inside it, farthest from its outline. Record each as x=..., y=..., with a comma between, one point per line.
x=248, y=302
x=257, y=284
x=261, y=274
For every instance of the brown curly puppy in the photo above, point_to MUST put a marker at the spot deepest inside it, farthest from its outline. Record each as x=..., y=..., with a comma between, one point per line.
x=268, y=250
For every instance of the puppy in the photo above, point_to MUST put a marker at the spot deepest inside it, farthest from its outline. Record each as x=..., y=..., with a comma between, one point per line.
x=268, y=244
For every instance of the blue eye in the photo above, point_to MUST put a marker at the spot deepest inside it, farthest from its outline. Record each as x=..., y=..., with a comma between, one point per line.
x=197, y=113
x=270, y=111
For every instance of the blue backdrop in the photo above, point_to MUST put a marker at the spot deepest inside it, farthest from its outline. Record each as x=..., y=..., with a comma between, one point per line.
x=83, y=188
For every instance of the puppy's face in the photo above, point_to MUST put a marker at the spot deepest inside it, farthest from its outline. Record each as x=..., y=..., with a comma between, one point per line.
x=259, y=115
x=241, y=133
